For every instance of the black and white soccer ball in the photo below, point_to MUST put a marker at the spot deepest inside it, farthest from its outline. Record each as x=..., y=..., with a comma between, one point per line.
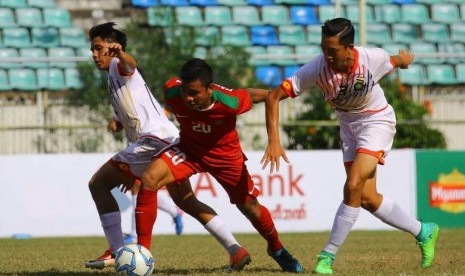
x=134, y=260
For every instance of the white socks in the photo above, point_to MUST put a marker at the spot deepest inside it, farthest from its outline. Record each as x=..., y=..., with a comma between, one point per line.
x=392, y=214
x=218, y=229
x=345, y=218
x=111, y=223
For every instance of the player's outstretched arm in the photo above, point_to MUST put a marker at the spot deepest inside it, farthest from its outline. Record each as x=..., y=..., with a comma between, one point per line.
x=274, y=151
x=258, y=95
x=402, y=59
x=127, y=62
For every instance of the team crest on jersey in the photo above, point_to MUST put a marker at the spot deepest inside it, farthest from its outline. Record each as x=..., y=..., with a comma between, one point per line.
x=359, y=83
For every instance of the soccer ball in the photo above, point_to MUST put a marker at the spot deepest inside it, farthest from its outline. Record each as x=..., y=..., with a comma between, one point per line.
x=134, y=260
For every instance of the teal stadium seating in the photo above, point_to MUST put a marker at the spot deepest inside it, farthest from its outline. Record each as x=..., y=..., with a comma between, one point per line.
x=314, y=34
x=235, y=35
x=275, y=15
x=232, y=2
x=445, y=13
x=378, y=34
x=45, y=37
x=455, y=48
x=441, y=74
x=16, y=37
x=388, y=14
x=59, y=53
x=189, y=16
x=281, y=53
x=13, y=3
x=404, y=33
x=200, y=52
x=415, y=75
x=218, y=16
x=160, y=16
x=4, y=83
x=460, y=71
x=56, y=17
x=41, y=3
x=72, y=79
x=207, y=36
x=306, y=52
x=9, y=53
x=246, y=15
x=415, y=14
x=34, y=52
x=257, y=50
x=354, y=15
x=425, y=48
x=23, y=79
x=29, y=17
x=326, y=12
x=457, y=32
x=50, y=79
x=7, y=18
x=292, y=35
x=393, y=48
x=72, y=37
x=435, y=32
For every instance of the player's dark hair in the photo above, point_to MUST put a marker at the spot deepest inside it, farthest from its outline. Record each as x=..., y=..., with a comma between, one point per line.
x=197, y=69
x=109, y=34
x=341, y=27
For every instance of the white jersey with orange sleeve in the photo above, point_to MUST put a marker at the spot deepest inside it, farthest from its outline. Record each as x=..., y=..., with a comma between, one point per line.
x=136, y=108
x=355, y=92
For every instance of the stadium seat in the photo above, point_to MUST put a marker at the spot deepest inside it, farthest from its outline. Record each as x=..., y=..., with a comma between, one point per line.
x=160, y=16
x=29, y=17
x=419, y=48
x=263, y=35
x=174, y=3
x=245, y=15
x=462, y=11
x=290, y=70
x=203, y=3
x=435, y=32
x=7, y=18
x=232, y=2
x=189, y=16
x=268, y=75
x=207, y=36
x=352, y=12
x=144, y=3
x=31, y=53
x=16, y=37
x=44, y=37
x=318, y=2
x=41, y=3
x=292, y=35
x=13, y=3
x=279, y=55
x=429, y=1
x=9, y=53
x=393, y=48
x=4, y=83
x=314, y=34
x=275, y=15
x=72, y=78
x=200, y=52
x=402, y=2
x=72, y=37
x=82, y=52
x=378, y=34
x=306, y=52
x=452, y=48
x=415, y=14
x=404, y=33
x=235, y=35
x=414, y=75
x=55, y=17
x=460, y=72
x=260, y=2
x=379, y=2
x=388, y=13
x=50, y=79
x=304, y=15
x=326, y=12
x=254, y=51
x=218, y=16
x=442, y=74
x=457, y=32
x=290, y=2
x=62, y=52
x=445, y=13
x=23, y=79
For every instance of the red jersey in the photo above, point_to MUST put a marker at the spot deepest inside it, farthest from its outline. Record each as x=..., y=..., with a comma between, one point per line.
x=209, y=134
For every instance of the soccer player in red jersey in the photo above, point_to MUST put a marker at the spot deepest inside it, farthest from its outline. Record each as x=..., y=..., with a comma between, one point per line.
x=209, y=143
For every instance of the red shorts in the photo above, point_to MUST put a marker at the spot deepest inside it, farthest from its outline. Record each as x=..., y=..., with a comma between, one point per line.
x=234, y=177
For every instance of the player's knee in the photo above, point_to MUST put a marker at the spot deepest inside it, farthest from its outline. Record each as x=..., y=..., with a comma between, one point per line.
x=150, y=181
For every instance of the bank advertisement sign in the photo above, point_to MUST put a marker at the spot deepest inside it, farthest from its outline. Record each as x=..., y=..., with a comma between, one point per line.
x=441, y=187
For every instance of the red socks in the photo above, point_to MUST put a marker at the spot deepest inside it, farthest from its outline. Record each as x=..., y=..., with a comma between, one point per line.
x=146, y=214
x=265, y=227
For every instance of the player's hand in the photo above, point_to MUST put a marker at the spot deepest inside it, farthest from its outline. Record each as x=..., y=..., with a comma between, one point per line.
x=272, y=156
x=405, y=58
x=114, y=50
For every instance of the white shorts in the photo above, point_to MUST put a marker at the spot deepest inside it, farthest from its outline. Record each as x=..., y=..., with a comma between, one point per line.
x=372, y=133
x=135, y=158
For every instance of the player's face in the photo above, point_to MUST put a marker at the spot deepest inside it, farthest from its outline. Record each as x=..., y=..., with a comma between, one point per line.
x=196, y=95
x=99, y=49
x=336, y=54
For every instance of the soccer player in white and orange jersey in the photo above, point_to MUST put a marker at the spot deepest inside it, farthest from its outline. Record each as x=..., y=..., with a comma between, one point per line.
x=209, y=142
x=149, y=132
x=348, y=78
